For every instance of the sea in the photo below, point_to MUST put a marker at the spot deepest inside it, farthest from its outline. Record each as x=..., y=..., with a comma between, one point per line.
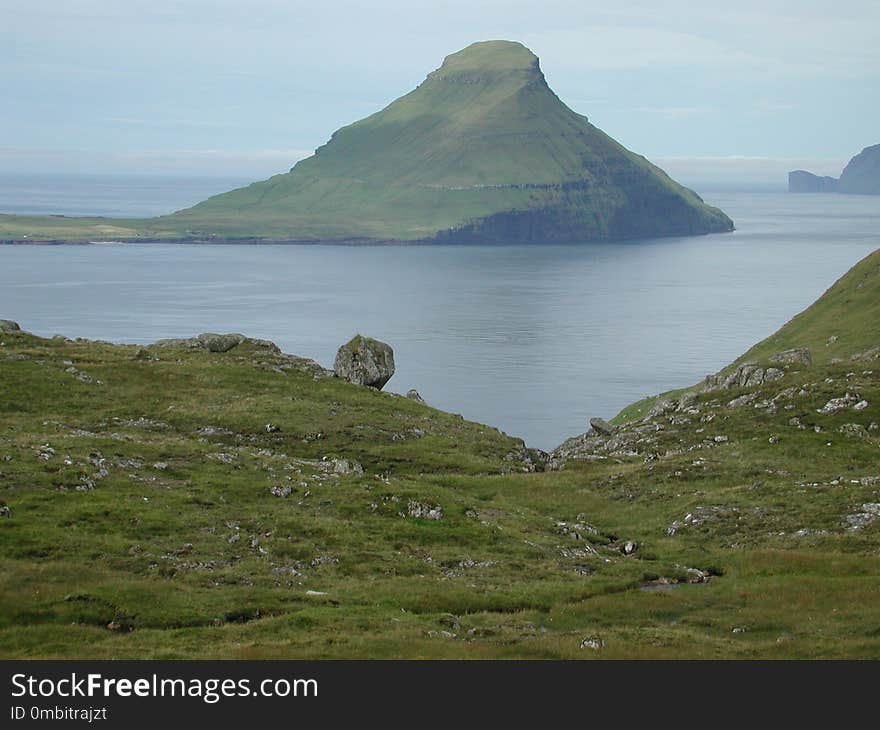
x=533, y=339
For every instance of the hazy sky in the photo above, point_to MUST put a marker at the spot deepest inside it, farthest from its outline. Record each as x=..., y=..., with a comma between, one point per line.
x=246, y=87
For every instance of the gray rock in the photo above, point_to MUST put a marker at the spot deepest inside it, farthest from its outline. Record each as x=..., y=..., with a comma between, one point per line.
x=600, y=425
x=346, y=466
x=593, y=642
x=872, y=354
x=661, y=408
x=365, y=361
x=854, y=429
x=838, y=404
x=218, y=343
x=796, y=356
x=747, y=375
x=424, y=511
x=7, y=325
x=686, y=401
x=771, y=374
x=413, y=394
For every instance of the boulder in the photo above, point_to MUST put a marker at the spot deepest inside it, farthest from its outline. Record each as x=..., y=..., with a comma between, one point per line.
x=797, y=356
x=7, y=325
x=413, y=394
x=600, y=425
x=365, y=361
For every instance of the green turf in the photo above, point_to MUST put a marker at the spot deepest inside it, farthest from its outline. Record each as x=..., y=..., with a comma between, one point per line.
x=153, y=514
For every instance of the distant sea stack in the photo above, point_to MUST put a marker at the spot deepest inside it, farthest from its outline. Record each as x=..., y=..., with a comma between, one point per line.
x=801, y=181
x=861, y=176
x=482, y=151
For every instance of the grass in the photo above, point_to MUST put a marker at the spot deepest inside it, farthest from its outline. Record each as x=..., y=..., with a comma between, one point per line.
x=149, y=512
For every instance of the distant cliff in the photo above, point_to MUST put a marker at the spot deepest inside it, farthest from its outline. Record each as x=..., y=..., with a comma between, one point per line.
x=861, y=176
x=801, y=181
x=862, y=173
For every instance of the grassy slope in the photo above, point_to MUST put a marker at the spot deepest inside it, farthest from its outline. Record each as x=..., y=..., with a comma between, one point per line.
x=444, y=155
x=849, y=311
x=147, y=563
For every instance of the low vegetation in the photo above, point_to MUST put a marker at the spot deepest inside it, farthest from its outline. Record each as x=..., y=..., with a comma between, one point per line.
x=171, y=502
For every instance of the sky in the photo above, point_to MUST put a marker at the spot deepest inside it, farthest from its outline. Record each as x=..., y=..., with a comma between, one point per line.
x=709, y=90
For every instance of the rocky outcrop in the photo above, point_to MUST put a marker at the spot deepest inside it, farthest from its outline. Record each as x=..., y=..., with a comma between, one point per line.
x=365, y=361
x=7, y=325
x=218, y=343
x=751, y=374
x=801, y=181
x=747, y=375
x=796, y=356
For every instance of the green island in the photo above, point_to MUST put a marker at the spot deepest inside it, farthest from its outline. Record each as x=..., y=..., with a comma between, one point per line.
x=216, y=498
x=482, y=151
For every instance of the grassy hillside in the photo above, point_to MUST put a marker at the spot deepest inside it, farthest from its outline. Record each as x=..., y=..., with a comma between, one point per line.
x=482, y=151
x=841, y=324
x=175, y=502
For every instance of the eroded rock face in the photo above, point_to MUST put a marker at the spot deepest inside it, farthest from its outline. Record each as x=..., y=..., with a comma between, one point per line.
x=365, y=361
x=7, y=325
x=748, y=375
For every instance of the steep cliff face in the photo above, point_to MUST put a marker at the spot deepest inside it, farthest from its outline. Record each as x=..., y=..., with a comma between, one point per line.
x=862, y=173
x=861, y=176
x=801, y=181
x=482, y=150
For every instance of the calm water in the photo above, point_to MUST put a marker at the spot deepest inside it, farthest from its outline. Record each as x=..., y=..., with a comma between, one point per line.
x=115, y=196
x=534, y=340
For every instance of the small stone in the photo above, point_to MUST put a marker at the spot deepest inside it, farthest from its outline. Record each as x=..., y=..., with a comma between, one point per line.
x=593, y=642
x=424, y=511
x=861, y=405
x=346, y=466
x=413, y=394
